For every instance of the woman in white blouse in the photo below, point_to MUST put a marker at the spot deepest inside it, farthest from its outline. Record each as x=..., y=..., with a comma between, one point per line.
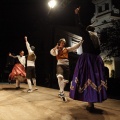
x=18, y=72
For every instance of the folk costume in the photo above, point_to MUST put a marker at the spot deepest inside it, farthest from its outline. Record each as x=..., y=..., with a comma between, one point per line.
x=63, y=66
x=89, y=83
x=30, y=71
x=18, y=73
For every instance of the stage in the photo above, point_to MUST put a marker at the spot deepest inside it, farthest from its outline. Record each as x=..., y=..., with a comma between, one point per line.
x=44, y=104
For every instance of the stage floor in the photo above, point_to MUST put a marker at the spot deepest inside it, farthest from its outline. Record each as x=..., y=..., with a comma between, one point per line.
x=44, y=104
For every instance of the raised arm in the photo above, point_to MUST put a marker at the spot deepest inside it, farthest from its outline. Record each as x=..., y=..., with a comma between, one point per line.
x=78, y=18
x=28, y=45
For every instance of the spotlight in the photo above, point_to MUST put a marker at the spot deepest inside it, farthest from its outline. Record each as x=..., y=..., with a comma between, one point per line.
x=52, y=3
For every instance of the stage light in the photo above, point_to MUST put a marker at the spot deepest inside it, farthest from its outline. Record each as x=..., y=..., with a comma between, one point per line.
x=52, y=3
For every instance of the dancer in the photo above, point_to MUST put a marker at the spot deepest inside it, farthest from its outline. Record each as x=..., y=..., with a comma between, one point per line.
x=61, y=53
x=89, y=83
x=30, y=71
x=18, y=72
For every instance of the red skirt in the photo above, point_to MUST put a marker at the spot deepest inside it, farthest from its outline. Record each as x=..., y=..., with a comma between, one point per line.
x=18, y=72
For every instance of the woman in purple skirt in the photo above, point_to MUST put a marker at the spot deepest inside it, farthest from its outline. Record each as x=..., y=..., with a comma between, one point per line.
x=89, y=83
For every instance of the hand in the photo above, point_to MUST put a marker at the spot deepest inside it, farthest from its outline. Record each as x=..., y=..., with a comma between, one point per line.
x=77, y=10
x=10, y=54
x=25, y=38
x=56, y=47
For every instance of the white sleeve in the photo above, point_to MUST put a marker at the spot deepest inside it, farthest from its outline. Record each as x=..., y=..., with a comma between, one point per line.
x=54, y=52
x=24, y=61
x=29, y=48
x=14, y=56
x=76, y=46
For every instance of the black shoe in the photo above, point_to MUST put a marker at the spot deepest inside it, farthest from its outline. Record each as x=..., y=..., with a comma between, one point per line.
x=17, y=88
x=90, y=109
x=62, y=95
x=64, y=99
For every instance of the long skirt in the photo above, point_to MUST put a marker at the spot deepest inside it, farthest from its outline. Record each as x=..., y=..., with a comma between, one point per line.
x=88, y=83
x=18, y=72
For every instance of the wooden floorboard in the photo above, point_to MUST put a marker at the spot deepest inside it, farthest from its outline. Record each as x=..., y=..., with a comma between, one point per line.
x=44, y=104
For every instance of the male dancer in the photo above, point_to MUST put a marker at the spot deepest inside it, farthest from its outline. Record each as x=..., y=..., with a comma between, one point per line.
x=30, y=72
x=61, y=53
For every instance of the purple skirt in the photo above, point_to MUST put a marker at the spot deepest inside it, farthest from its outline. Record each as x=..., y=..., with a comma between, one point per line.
x=88, y=83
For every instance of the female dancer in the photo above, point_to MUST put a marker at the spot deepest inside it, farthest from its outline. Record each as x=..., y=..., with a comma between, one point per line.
x=88, y=83
x=18, y=72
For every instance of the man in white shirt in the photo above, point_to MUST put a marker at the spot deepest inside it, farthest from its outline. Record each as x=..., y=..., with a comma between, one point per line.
x=61, y=53
x=30, y=71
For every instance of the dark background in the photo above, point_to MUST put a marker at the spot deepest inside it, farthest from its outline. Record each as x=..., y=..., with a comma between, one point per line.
x=34, y=19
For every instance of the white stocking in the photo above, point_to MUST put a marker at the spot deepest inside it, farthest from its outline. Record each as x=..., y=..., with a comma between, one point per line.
x=59, y=83
x=29, y=83
x=17, y=83
x=34, y=82
x=63, y=84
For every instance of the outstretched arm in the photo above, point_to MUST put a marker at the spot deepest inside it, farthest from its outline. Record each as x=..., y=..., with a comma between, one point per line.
x=76, y=46
x=12, y=55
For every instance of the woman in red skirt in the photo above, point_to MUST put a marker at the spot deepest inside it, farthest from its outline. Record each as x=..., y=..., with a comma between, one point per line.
x=18, y=72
